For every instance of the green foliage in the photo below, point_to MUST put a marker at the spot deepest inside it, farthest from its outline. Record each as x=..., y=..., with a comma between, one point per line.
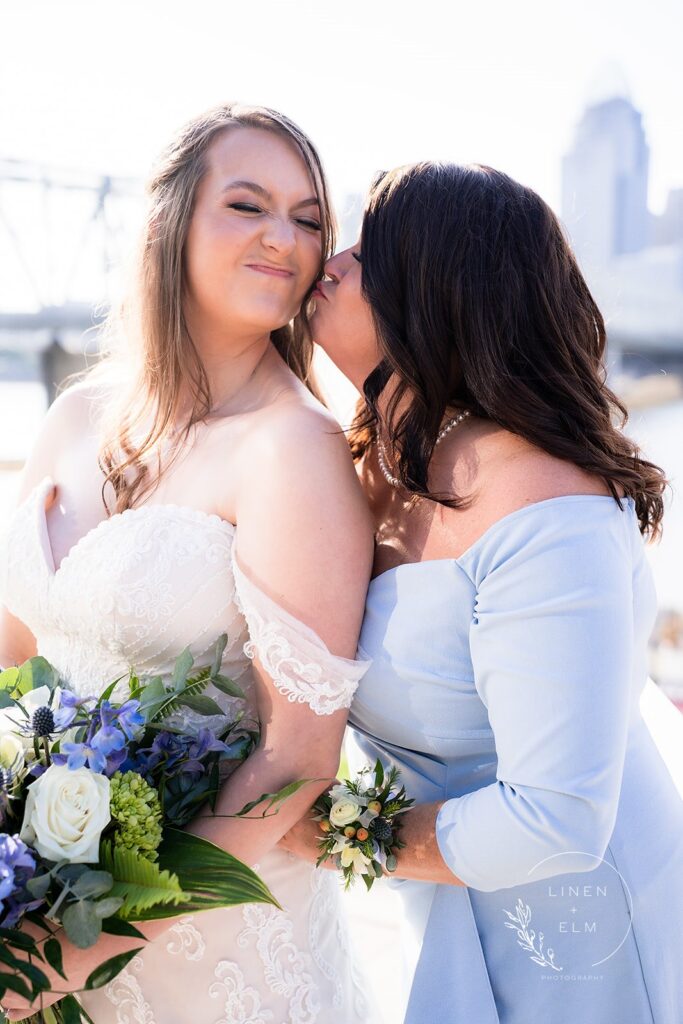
x=107, y=971
x=209, y=876
x=140, y=883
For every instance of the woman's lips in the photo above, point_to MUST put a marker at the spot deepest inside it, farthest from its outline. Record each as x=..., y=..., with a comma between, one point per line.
x=318, y=290
x=273, y=271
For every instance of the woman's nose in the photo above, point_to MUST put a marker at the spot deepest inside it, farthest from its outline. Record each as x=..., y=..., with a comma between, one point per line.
x=280, y=234
x=334, y=268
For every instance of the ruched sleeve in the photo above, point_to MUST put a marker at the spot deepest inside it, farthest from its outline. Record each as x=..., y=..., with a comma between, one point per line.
x=551, y=642
x=299, y=663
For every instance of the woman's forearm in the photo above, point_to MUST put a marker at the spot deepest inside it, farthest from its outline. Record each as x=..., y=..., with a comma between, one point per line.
x=419, y=860
x=249, y=838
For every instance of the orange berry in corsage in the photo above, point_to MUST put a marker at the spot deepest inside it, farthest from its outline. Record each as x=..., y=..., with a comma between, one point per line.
x=325, y=825
x=349, y=831
x=362, y=834
x=375, y=806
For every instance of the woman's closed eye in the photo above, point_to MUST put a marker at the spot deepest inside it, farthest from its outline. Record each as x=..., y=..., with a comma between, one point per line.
x=356, y=256
x=307, y=222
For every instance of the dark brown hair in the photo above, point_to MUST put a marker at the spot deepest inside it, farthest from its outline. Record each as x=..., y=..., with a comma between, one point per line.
x=479, y=304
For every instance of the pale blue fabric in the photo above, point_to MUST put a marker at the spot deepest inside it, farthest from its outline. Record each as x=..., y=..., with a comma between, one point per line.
x=509, y=682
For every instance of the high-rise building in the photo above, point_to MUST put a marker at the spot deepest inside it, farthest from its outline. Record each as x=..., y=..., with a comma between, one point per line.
x=604, y=183
x=667, y=227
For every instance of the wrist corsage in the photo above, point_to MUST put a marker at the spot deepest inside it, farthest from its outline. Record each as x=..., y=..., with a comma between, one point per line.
x=360, y=822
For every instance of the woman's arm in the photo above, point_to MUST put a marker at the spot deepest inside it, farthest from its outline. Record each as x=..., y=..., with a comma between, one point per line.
x=421, y=859
x=64, y=427
x=303, y=547
x=551, y=642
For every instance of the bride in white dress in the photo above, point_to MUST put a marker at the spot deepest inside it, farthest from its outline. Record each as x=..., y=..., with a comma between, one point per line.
x=231, y=506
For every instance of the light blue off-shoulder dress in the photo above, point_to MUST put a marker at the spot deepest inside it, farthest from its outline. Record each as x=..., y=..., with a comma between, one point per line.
x=511, y=682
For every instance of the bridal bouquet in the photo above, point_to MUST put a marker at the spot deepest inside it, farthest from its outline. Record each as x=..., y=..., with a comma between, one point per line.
x=94, y=793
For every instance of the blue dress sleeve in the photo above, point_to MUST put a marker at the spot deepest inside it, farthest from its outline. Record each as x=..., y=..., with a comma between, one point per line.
x=551, y=643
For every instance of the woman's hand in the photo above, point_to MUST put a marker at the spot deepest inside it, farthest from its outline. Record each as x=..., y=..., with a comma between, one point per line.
x=301, y=840
x=77, y=964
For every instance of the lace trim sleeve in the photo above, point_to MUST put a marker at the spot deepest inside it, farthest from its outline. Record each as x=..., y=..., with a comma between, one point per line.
x=296, y=659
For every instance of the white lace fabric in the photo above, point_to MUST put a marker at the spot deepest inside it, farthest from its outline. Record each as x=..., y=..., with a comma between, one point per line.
x=293, y=655
x=134, y=592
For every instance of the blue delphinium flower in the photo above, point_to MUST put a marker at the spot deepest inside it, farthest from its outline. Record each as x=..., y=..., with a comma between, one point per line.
x=104, y=735
x=130, y=718
x=17, y=865
x=69, y=706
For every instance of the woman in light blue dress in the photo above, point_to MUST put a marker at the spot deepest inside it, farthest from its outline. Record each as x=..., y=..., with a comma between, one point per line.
x=509, y=613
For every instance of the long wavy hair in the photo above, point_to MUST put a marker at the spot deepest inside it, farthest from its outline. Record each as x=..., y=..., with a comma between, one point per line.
x=479, y=304
x=149, y=348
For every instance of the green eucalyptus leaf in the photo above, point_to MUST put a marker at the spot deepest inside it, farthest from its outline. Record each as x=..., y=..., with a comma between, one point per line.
x=221, y=644
x=108, y=906
x=201, y=704
x=6, y=699
x=39, y=885
x=81, y=924
x=181, y=670
x=71, y=872
x=227, y=685
x=92, y=884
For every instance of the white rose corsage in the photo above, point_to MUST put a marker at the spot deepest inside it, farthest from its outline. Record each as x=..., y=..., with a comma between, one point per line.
x=360, y=823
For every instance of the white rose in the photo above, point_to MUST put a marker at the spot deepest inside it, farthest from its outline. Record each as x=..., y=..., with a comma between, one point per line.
x=65, y=814
x=11, y=752
x=343, y=812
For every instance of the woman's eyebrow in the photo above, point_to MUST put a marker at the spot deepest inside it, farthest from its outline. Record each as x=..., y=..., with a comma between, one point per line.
x=259, y=190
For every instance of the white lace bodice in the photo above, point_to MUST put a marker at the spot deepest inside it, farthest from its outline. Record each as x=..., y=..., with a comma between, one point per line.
x=134, y=592
x=145, y=584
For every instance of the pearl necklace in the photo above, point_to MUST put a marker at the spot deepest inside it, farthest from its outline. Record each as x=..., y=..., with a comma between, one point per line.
x=382, y=455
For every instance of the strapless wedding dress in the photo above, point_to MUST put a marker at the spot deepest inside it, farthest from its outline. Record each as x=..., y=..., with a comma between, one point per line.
x=134, y=592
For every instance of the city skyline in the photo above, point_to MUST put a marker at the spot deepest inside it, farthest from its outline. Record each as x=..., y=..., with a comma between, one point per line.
x=98, y=87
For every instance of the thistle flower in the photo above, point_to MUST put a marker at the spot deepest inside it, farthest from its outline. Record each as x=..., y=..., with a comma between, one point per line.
x=43, y=721
x=136, y=811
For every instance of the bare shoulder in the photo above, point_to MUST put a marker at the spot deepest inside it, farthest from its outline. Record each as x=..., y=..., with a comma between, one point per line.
x=298, y=436
x=78, y=409
x=304, y=526
x=503, y=472
x=69, y=421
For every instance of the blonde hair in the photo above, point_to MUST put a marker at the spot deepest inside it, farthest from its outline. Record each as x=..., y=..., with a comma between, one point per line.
x=149, y=328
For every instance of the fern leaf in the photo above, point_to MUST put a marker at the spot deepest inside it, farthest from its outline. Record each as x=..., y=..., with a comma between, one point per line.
x=138, y=881
x=193, y=687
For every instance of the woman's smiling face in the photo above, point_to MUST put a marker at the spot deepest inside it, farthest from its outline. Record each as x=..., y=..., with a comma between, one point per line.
x=254, y=243
x=343, y=324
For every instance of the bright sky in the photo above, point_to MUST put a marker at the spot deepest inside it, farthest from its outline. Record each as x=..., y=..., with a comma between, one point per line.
x=375, y=83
